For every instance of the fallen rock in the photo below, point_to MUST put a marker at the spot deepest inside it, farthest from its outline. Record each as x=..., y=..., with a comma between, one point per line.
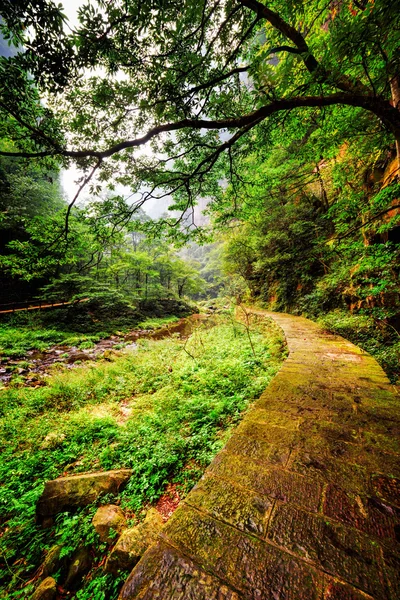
x=52, y=561
x=79, y=490
x=81, y=564
x=52, y=440
x=110, y=354
x=108, y=521
x=75, y=356
x=134, y=542
x=47, y=590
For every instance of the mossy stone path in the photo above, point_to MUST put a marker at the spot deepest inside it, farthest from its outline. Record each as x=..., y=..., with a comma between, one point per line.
x=303, y=503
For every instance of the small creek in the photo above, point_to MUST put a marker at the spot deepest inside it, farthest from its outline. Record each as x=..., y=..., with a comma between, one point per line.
x=36, y=364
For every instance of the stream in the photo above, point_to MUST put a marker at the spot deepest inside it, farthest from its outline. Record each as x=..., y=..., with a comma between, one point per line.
x=35, y=364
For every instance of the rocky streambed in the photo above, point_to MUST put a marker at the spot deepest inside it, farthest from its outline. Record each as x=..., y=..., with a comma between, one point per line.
x=33, y=368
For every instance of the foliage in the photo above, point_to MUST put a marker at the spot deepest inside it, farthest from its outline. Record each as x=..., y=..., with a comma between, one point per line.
x=16, y=341
x=235, y=71
x=182, y=400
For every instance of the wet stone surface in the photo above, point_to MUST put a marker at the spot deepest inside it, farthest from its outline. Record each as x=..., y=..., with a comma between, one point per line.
x=368, y=514
x=339, y=591
x=276, y=483
x=228, y=502
x=337, y=550
x=303, y=501
x=259, y=570
x=165, y=573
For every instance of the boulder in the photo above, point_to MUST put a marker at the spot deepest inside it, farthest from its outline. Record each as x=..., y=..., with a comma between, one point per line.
x=134, y=542
x=79, y=490
x=52, y=440
x=108, y=521
x=81, y=564
x=52, y=561
x=47, y=590
x=75, y=356
x=110, y=354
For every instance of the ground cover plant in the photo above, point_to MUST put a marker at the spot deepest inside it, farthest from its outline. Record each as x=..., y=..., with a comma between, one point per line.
x=163, y=410
x=29, y=332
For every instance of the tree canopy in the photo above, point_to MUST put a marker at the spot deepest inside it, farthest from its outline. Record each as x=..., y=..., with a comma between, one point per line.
x=167, y=96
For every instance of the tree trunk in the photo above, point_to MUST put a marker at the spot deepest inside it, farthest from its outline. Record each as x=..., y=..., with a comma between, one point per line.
x=395, y=89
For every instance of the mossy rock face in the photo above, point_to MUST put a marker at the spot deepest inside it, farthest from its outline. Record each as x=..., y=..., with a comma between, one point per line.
x=81, y=564
x=134, y=542
x=47, y=590
x=108, y=522
x=79, y=490
x=52, y=561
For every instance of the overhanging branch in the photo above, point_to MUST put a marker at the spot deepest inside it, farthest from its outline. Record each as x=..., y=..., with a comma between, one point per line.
x=379, y=107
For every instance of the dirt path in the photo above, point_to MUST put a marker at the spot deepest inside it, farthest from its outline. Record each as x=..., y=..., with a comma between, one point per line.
x=303, y=502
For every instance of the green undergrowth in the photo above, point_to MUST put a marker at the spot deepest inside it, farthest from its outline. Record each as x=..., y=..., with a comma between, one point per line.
x=163, y=410
x=375, y=336
x=155, y=322
x=29, y=333
x=17, y=341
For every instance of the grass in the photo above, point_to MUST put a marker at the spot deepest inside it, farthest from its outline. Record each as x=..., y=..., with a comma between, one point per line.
x=164, y=411
x=155, y=322
x=16, y=340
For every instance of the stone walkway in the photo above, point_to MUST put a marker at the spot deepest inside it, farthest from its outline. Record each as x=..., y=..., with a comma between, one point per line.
x=303, y=502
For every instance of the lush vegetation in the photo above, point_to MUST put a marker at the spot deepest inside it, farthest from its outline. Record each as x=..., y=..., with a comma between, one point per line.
x=269, y=133
x=163, y=410
x=285, y=115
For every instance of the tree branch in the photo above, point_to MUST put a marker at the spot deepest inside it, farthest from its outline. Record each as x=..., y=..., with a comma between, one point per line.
x=342, y=82
x=379, y=214
x=381, y=108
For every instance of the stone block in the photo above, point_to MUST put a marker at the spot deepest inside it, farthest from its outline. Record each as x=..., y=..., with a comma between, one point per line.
x=231, y=503
x=47, y=590
x=342, y=552
x=340, y=591
x=387, y=488
x=368, y=514
x=276, y=483
x=256, y=569
x=109, y=521
x=79, y=490
x=259, y=450
x=134, y=542
x=164, y=573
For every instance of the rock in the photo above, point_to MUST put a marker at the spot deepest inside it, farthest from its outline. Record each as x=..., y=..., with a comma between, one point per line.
x=81, y=564
x=110, y=354
x=52, y=561
x=47, y=590
x=75, y=356
x=79, y=490
x=47, y=522
x=108, y=521
x=52, y=440
x=134, y=542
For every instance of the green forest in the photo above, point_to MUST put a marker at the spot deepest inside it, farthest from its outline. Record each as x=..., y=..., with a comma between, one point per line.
x=163, y=165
